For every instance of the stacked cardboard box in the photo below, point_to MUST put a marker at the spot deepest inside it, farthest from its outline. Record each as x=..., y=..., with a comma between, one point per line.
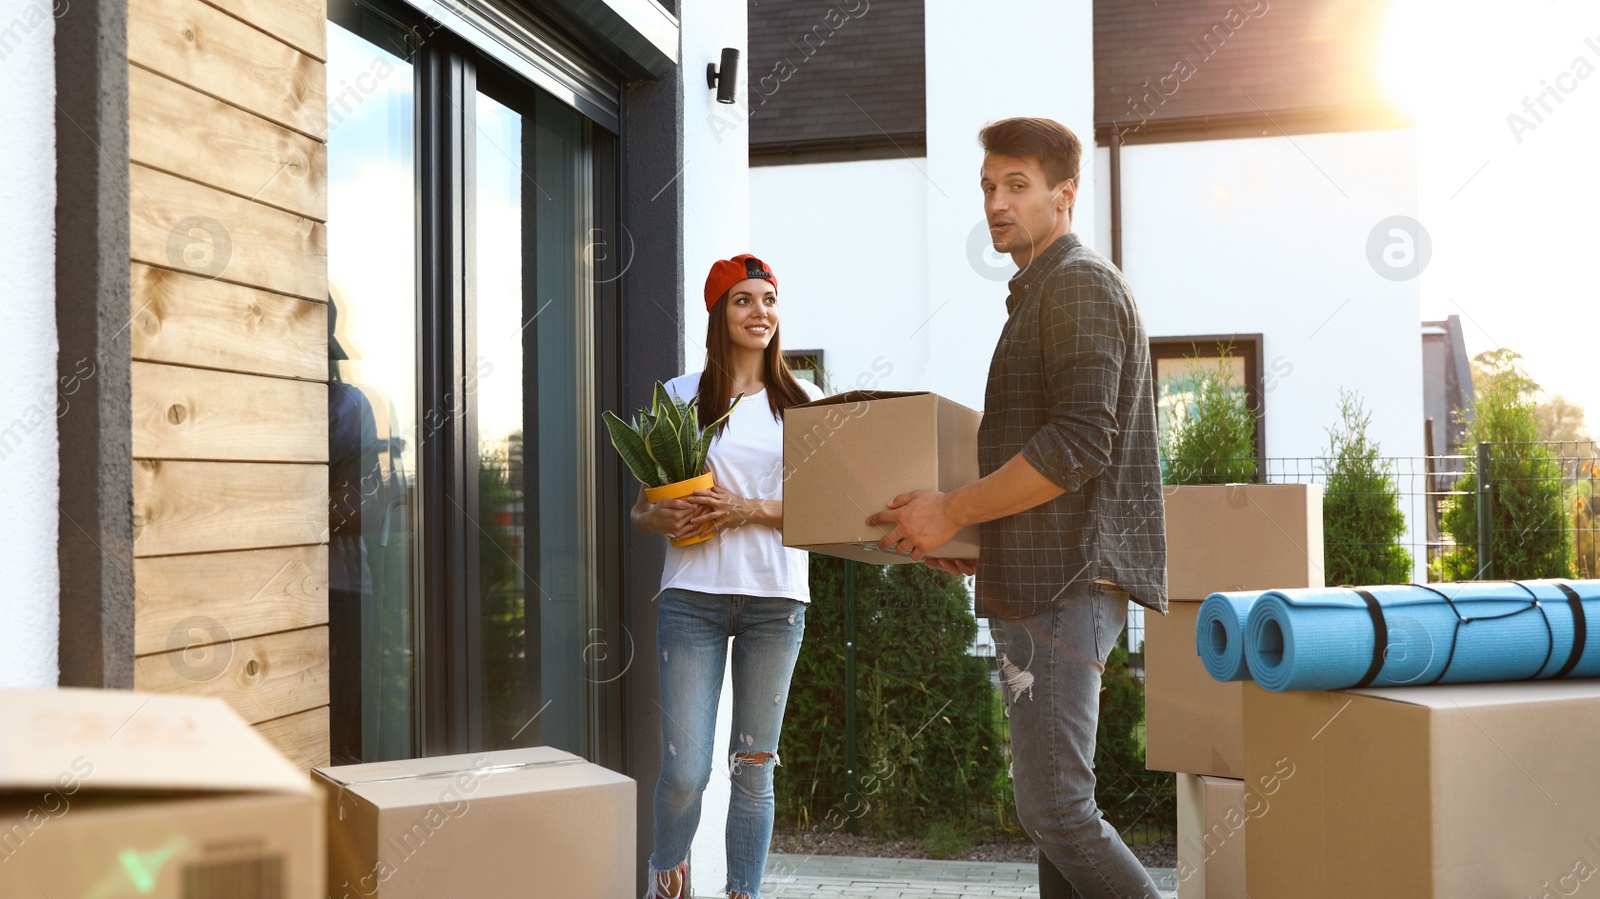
x=517, y=822
x=1459, y=791
x=113, y=793
x=1219, y=538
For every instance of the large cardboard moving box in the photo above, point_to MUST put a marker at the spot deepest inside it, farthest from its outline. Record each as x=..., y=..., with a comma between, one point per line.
x=1212, y=814
x=1480, y=791
x=517, y=822
x=1193, y=724
x=113, y=794
x=1242, y=537
x=846, y=456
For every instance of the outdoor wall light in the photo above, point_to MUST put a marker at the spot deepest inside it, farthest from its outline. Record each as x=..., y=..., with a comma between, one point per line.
x=727, y=80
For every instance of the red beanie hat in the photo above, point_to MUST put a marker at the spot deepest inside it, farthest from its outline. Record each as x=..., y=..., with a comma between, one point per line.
x=727, y=272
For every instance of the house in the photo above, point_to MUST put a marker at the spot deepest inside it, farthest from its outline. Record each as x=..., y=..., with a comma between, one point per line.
x=1240, y=160
x=313, y=310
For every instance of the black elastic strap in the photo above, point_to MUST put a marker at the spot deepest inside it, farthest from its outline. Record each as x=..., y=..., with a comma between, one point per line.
x=1580, y=630
x=1380, y=638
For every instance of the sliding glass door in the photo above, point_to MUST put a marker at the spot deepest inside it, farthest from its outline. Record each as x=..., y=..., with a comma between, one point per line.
x=462, y=201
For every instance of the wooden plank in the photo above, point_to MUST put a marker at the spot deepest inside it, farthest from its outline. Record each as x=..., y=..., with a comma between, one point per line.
x=206, y=233
x=246, y=594
x=301, y=737
x=213, y=52
x=302, y=24
x=193, y=413
x=180, y=318
x=191, y=507
x=180, y=130
x=261, y=677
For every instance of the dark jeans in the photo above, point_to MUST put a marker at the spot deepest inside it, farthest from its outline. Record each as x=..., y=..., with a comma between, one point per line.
x=1050, y=667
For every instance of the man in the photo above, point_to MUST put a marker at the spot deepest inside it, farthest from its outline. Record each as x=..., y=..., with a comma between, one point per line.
x=1069, y=503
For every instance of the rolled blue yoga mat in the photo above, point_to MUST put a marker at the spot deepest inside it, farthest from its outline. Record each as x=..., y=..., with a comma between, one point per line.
x=1324, y=639
x=1219, y=634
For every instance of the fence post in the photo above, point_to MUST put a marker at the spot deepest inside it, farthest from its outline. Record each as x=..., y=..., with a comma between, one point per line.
x=850, y=686
x=1485, y=516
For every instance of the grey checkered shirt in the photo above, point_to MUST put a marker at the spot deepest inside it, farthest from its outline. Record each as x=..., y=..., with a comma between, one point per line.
x=1069, y=388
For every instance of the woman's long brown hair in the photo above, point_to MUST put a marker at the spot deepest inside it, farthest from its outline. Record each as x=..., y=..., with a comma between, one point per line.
x=716, y=382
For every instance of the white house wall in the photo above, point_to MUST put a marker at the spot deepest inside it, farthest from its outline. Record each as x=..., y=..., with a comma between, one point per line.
x=29, y=462
x=716, y=225
x=1270, y=235
x=849, y=248
x=1034, y=59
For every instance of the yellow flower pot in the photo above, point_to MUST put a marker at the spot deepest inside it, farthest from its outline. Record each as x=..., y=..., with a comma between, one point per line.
x=682, y=489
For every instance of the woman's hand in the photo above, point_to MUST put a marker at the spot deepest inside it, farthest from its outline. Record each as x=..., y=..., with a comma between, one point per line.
x=722, y=509
x=670, y=517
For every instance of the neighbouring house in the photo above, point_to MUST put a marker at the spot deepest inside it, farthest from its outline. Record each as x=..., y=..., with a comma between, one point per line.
x=314, y=306
x=1239, y=158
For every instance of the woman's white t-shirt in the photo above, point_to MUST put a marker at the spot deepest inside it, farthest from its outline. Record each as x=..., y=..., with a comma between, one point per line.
x=747, y=459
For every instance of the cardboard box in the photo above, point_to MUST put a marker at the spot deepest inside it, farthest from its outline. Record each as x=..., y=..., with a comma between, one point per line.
x=1212, y=814
x=1242, y=537
x=115, y=794
x=517, y=822
x=1453, y=792
x=846, y=456
x=1193, y=723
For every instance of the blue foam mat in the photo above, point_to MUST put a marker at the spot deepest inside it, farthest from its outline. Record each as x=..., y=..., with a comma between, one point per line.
x=1219, y=634
x=1323, y=639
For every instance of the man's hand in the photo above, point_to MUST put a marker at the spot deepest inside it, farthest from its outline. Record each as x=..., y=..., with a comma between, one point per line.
x=921, y=520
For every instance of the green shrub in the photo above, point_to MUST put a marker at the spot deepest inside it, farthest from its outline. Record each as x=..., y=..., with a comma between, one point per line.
x=1530, y=536
x=1210, y=439
x=1362, y=524
x=928, y=743
x=946, y=839
x=1129, y=795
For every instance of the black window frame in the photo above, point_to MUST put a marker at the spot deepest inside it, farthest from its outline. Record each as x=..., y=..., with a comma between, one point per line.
x=446, y=70
x=1248, y=349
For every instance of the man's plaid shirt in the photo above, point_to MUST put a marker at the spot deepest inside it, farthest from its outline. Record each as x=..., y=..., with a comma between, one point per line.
x=1070, y=389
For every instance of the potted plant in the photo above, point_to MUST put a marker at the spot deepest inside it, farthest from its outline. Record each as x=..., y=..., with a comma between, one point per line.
x=666, y=448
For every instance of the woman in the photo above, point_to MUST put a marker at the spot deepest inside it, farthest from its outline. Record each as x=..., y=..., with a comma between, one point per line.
x=743, y=583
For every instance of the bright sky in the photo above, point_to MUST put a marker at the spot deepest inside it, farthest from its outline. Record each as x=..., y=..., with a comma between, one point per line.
x=1514, y=216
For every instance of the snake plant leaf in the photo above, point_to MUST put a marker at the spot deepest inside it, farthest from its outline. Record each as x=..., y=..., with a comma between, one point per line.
x=702, y=447
x=665, y=446
x=630, y=446
x=664, y=405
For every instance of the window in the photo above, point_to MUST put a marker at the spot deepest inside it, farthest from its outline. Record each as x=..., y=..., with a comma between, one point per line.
x=467, y=329
x=1173, y=359
x=807, y=366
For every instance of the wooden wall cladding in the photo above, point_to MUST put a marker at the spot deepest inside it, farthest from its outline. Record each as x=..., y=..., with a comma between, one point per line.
x=186, y=413
x=302, y=737
x=207, y=233
x=178, y=129
x=248, y=593
x=261, y=677
x=238, y=63
x=229, y=199
x=186, y=320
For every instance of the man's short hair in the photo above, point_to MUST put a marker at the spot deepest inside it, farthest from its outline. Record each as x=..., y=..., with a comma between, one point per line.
x=1055, y=146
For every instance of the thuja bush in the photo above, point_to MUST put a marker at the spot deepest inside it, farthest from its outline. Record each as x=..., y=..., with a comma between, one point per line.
x=1210, y=439
x=1530, y=533
x=1362, y=524
x=929, y=743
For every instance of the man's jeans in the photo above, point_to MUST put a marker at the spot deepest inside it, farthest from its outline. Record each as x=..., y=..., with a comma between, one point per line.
x=692, y=631
x=1050, y=667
